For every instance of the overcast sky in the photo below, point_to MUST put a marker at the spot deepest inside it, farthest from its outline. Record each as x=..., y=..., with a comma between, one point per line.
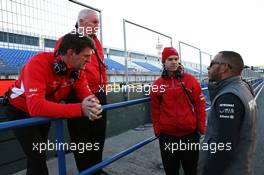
x=210, y=25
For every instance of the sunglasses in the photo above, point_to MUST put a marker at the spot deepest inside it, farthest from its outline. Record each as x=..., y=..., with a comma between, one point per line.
x=218, y=62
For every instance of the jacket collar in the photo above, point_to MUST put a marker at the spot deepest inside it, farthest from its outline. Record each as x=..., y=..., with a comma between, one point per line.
x=214, y=87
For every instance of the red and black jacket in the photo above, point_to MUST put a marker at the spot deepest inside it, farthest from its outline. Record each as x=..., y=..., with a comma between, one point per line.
x=172, y=111
x=39, y=90
x=95, y=68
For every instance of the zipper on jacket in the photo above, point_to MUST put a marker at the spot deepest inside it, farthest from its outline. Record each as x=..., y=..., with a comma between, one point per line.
x=173, y=86
x=172, y=82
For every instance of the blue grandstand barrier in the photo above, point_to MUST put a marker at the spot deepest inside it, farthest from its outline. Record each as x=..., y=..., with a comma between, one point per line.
x=113, y=65
x=192, y=70
x=14, y=59
x=7, y=69
x=148, y=66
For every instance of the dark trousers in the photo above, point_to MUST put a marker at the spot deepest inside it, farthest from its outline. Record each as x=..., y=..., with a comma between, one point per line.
x=82, y=130
x=173, y=159
x=28, y=137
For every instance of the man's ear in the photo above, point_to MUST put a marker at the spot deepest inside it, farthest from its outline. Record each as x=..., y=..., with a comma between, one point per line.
x=224, y=68
x=81, y=22
x=70, y=52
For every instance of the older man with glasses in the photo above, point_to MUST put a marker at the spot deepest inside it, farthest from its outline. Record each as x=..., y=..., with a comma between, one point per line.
x=231, y=125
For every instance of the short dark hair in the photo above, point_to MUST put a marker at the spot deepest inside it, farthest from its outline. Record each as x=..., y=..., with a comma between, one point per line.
x=235, y=61
x=75, y=41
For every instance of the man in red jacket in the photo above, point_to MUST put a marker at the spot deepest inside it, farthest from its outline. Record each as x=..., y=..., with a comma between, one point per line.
x=95, y=71
x=44, y=82
x=178, y=114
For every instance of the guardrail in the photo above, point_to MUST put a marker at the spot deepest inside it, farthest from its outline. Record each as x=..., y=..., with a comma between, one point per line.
x=117, y=156
x=60, y=138
x=59, y=126
x=129, y=150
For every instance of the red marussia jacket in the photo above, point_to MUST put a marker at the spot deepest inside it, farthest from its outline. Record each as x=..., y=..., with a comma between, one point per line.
x=171, y=109
x=92, y=70
x=34, y=93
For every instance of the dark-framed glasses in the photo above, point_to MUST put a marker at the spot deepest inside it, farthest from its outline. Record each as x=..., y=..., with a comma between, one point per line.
x=218, y=62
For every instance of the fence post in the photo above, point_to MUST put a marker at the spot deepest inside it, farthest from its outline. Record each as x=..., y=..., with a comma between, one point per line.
x=60, y=151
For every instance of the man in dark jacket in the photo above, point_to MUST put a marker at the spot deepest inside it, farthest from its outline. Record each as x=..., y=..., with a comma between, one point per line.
x=231, y=125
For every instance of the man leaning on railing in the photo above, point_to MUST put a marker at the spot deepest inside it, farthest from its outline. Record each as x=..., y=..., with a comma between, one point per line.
x=44, y=82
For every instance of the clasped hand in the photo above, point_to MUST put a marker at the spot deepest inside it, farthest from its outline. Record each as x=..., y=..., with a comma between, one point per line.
x=91, y=108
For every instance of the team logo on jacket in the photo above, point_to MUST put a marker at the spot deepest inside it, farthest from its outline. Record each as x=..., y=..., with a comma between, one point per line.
x=226, y=111
x=17, y=91
x=32, y=89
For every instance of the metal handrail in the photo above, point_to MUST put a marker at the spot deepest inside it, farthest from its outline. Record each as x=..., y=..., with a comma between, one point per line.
x=60, y=137
x=40, y=120
x=118, y=156
x=132, y=148
x=257, y=84
x=258, y=89
x=59, y=127
x=24, y=122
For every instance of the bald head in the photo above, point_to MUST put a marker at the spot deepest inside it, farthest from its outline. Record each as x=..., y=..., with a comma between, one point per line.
x=234, y=60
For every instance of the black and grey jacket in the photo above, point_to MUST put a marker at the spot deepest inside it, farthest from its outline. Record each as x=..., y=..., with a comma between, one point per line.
x=231, y=129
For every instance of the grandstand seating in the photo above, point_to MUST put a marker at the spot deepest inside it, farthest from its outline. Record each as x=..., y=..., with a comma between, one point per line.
x=132, y=67
x=191, y=70
x=13, y=59
x=9, y=69
x=148, y=66
x=113, y=65
x=2, y=62
x=155, y=63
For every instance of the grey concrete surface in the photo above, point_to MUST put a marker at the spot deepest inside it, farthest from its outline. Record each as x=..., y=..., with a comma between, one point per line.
x=145, y=161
